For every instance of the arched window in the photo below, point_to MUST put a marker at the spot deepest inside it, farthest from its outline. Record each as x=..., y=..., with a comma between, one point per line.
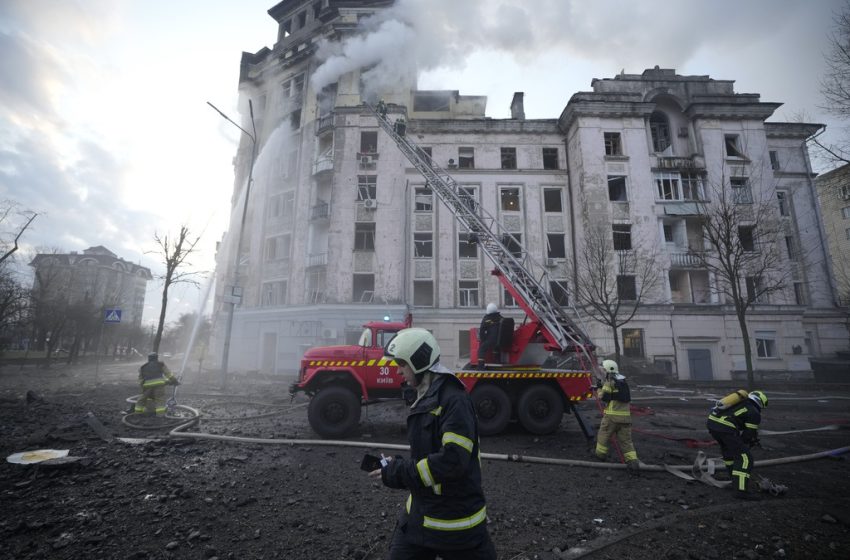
x=659, y=126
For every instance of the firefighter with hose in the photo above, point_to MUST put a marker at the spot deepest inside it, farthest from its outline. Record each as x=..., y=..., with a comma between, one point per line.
x=154, y=375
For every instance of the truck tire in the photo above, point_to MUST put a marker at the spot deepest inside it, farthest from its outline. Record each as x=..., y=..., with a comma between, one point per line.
x=334, y=412
x=540, y=408
x=493, y=408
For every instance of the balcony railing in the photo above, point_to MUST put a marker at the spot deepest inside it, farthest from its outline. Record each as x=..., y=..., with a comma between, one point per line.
x=317, y=259
x=677, y=163
x=685, y=260
x=324, y=123
x=320, y=211
x=323, y=164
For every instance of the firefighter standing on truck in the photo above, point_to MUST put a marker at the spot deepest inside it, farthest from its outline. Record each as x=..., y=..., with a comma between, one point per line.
x=616, y=419
x=153, y=377
x=445, y=513
x=735, y=428
x=488, y=335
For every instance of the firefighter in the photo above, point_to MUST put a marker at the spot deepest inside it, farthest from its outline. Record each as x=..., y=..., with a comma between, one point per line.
x=736, y=430
x=153, y=377
x=488, y=334
x=616, y=419
x=445, y=513
x=382, y=109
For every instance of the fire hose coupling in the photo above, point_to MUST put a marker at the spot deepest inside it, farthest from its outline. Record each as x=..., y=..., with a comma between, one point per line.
x=765, y=485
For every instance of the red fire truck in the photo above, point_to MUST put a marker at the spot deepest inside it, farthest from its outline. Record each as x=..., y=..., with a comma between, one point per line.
x=542, y=369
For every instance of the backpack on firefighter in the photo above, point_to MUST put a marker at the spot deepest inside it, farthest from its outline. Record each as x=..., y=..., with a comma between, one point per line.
x=732, y=399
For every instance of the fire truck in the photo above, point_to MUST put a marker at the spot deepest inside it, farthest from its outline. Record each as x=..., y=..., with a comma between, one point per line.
x=540, y=369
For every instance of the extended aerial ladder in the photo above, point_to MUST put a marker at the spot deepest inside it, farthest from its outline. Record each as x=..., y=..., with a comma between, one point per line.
x=513, y=264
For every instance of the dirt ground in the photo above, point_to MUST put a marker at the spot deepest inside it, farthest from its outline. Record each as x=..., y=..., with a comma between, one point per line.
x=204, y=498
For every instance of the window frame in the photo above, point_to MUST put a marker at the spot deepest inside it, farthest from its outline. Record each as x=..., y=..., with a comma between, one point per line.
x=466, y=294
x=614, y=182
x=466, y=157
x=461, y=242
x=419, y=200
x=626, y=286
x=503, y=190
x=659, y=131
x=551, y=158
x=732, y=146
x=629, y=337
x=766, y=347
x=742, y=193
x=621, y=235
x=547, y=191
x=613, y=143
x=364, y=237
x=508, y=157
x=423, y=245
x=368, y=189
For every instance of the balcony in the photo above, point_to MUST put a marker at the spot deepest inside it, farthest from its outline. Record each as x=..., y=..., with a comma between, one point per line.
x=324, y=123
x=681, y=259
x=323, y=165
x=678, y=163
x=317, y=259
x=320, y=211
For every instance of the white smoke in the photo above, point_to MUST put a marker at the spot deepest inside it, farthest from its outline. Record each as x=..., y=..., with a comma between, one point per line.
x=422, y=35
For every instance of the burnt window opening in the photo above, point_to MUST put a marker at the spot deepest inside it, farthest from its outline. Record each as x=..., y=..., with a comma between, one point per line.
x=617, y=188
x=317, y=9
x=626, y=288
x=467, y=246
x=774, y=160
x=560, y=292
x=622, y=237
x=428, y=102
x=556, y=247
x=286, y=29
x=746, y=235
x=363, y=288
x=423, y=245
x=613, y=145
x=633, y=343
x=659, y=127
x=552, y=200
x=550, y=158
x=302, y=20
x=508, y=158
x=469, y=197
x=369, y=142
x=733, y=146
x=466, y=158
x=668, y=233
x=783, y=203
x=513, y=243
x=364, y=236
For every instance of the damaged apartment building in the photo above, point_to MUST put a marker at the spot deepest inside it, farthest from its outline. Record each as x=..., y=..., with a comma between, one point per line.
x=340, y=229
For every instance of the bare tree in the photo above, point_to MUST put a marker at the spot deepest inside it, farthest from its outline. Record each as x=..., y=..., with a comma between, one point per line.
x=13, y=304
x=49, y=305
x=12, y=228
x=613, y=278
x=174, y=253
x=835, y=87
x=741, y=232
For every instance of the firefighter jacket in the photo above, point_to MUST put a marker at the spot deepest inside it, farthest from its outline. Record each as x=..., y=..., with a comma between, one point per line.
x=488, y=332
x=742, y=419
x=616, y=396
x=155, y=374
x=446, y=508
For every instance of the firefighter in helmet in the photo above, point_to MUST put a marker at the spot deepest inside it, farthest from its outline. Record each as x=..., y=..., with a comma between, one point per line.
x=488, y=334
x=153, y=377
x=616, y=419
x=445, y=513
x=736, y=430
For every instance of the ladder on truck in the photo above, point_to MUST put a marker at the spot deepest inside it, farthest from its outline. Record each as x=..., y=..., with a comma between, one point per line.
x=514, y=271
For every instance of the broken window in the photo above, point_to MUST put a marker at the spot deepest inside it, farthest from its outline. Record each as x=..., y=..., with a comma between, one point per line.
x=369, y=142
x=552, y=200
x=550, y=158
x=733, y=148
x=617, y=188
x=667, y=185
x=467, y=246
x=513, y=243
x=741, y=193
x=613, y=146
x=363, y=288
x=746, y=235
x=508, y=158
x=560, y=292
x=782, y=203
x=622, y=237
x=659, y=128
x=466, y=158
x=510, y=199
x=364, y=236
x=423, y=293
x=766, y=344
x=467, y=293
x=774, y=160
x=424, y=199
x=556, y=248
x=691, y=186
x=302, y=19
x=285, y=29
x=423, y=245
x=633, y=343
x=626, y=288
x=428, y=101
x=274, y=293
x=668, y=233
x=367, y=187
x=469, y=196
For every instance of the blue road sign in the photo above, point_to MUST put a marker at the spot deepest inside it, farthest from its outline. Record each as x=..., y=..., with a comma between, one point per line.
x=112, y=316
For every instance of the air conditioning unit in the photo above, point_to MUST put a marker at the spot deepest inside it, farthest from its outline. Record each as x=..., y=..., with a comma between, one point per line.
x=365, y=160
x=370, y=203
x=328, y=333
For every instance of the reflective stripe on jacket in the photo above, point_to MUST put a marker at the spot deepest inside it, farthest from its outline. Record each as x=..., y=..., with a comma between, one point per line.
x=616, y=396
x=742, y=419
x=446, y=507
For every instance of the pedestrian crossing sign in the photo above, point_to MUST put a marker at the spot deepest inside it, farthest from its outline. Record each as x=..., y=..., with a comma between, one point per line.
x=112, y=316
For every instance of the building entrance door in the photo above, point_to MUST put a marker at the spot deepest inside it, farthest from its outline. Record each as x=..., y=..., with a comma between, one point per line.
x=699, y=364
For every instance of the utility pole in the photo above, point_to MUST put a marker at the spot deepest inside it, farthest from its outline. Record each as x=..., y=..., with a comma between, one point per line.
x=233, y=293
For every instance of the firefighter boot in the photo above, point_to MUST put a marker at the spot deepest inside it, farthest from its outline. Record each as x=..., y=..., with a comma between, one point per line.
x=633, y=468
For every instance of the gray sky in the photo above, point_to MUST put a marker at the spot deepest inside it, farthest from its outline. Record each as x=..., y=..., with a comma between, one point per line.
x=104, y=127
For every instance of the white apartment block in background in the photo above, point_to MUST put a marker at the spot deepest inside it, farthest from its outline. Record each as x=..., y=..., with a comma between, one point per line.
x=834, y=196
x=341, y=229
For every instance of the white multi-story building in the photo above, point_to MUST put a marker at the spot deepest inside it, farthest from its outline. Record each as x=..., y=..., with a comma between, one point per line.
x=340, y=229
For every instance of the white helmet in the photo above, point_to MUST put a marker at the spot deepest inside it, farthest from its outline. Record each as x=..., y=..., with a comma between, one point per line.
x=416, y=347
x=491, y=308
x=610, y=366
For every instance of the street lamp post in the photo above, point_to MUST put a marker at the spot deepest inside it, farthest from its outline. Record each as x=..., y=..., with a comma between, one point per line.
x=235, y=294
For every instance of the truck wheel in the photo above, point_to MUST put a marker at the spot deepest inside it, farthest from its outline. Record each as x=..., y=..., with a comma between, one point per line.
x=334, y=412
x=493, y=408
x=540, y=408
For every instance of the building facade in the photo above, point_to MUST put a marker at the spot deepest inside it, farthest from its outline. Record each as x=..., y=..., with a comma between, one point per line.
x=834, y=197
x=340, y=229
